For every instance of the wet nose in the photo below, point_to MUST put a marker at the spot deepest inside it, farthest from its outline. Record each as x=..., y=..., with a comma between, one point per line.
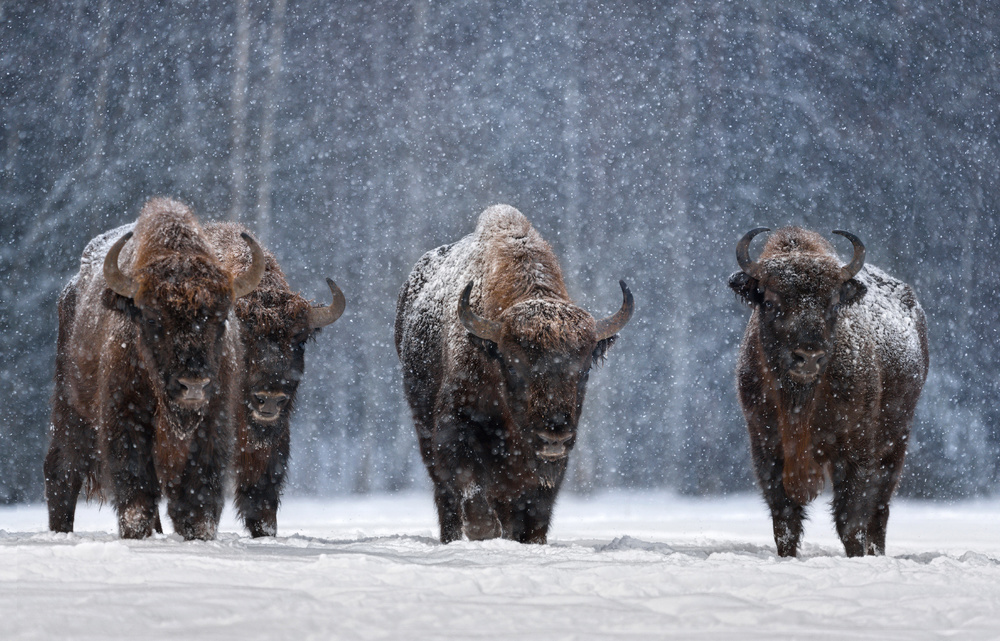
x=269, y=404
x=808, y=358
x=554, y=445
x=194, y=389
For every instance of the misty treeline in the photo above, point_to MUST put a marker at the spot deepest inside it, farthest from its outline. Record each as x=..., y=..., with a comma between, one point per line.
x=641, y=138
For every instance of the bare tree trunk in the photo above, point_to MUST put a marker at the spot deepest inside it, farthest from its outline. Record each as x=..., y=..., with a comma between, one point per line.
x=264, y=184
x=417, y=112
x=241, y=63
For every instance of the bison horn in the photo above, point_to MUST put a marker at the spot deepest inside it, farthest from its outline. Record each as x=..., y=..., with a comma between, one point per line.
x=476, y=325
x=608, y=327
x=248, y=280
x=117, y=281
x=749, y=267
x=849, y=271
x=323, y=316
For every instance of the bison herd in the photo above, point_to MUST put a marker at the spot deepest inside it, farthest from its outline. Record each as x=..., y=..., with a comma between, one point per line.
x=181, y=348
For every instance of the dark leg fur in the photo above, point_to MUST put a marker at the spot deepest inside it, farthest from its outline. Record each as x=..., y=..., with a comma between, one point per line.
x=258, y=503
x=62, y=488
x=786, y=514
x=68, y=462
x=195, y=505
x=856, y=500
x=530, y=517
x=449, y=512
x=480, y=521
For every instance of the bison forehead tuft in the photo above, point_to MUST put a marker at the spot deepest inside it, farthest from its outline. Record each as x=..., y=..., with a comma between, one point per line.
x=183, y=282
x=550, y=324
x=801, y=274
x=279, y=315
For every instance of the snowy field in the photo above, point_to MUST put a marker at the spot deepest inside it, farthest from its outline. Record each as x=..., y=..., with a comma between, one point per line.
x=619, y=566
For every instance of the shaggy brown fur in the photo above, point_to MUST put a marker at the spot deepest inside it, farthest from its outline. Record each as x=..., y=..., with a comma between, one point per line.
x=829, y=374
x=276, y=324
x=145, y=386
x=496, y=414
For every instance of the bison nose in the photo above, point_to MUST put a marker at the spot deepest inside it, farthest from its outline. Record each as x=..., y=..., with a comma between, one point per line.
x=808, y=360
x=268, y=405
x=554, y=446
x=194, y=390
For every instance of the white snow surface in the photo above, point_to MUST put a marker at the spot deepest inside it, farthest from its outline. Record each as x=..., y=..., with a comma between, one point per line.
x=619, y=566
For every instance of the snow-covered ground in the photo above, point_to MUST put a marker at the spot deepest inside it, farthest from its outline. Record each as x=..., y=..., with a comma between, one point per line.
x=618, y=566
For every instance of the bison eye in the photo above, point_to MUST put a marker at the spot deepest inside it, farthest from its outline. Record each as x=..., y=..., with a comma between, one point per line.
x=769, y=305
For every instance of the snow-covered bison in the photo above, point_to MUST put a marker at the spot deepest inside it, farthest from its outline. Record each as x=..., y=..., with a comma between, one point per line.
x=275, y=324
x=495, y=362
x=829, y=372
x=145, y=384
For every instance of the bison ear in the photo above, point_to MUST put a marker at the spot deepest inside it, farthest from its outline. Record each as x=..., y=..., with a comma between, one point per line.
x=852, y=291
x=117, y=303
x=601, y=351
x=746, y=287
x=487, y=346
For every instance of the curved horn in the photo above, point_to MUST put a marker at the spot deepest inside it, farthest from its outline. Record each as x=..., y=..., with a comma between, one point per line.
x=323, y=316
x=608, y=327
x=248, y=280
x=117, y=281
x=850, y=270
x=476, y=325
x=743, y=253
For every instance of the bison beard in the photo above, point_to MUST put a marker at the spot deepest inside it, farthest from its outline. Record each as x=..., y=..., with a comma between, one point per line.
x=144, y=386
x=830, y=369
x=495, y=362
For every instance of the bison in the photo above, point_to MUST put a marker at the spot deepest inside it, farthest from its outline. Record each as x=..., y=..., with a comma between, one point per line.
x=495, y=361
x=145, y=383
x=275, y=324
x=829, y=372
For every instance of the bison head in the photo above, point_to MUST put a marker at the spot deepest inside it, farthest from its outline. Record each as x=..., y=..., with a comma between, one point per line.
x=179, y=302
x=545, y=349
x=797, y=287
x=278, y=324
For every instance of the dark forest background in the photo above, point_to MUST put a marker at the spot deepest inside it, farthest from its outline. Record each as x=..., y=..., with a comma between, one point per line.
x=641, y=138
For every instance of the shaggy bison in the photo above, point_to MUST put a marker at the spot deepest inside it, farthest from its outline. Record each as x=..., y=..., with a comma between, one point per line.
x=830, y=369
x=275, y=324
x=145, y=384
x=495, y=362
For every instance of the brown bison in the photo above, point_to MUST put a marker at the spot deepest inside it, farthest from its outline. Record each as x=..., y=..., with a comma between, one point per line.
x=275, y=324
x=495, y=363
x=145, y=384
x=830, y=369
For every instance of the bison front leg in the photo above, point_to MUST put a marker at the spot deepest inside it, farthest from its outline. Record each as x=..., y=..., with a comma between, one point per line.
x=133, y=475
x=786, y=514
x=449, y=509
x=858, y=504
x=257, y=500
x=531, y=515
x=195, y=503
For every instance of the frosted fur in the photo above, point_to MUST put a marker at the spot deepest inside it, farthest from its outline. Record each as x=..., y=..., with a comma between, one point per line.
x=144, y=392
x=436, y=283
x=829, y=374
x=887, y=317
x=495, y=414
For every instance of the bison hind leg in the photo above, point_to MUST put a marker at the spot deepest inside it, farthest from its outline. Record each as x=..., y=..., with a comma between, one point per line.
x=62, y=489
x=68, y=462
